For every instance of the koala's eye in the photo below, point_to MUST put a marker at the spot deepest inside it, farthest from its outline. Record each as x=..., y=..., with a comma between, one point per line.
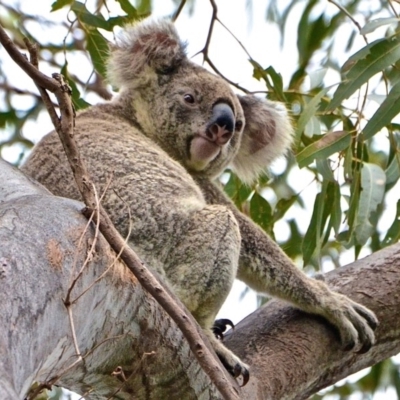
x=188, y=98
x=239, y=125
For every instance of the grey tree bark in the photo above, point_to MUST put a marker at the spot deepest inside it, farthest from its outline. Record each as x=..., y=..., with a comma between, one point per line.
x=114, y=341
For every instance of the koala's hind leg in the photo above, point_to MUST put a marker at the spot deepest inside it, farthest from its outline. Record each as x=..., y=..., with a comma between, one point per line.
x=201, y=270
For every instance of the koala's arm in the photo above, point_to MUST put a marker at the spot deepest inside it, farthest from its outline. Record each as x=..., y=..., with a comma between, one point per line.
x=265, y=267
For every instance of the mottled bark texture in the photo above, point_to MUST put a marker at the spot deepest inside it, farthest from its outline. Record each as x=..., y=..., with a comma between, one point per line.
x=131, y=349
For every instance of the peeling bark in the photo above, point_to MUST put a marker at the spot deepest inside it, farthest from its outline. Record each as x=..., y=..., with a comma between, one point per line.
x=130, y=347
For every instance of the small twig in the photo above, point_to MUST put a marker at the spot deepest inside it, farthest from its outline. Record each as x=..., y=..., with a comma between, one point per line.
x=73, y=332
x=341, y=8
x=118, y=256
x=204, y=51
x=178, y=11
x=393, y=9
x=168, y=301
x=211, y=28
x=121, y=375
x=67, y=301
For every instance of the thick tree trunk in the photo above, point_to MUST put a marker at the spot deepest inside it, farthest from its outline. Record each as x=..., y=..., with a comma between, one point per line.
x=130, y=348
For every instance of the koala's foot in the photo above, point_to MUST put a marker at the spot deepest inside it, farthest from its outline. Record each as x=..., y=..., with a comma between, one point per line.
x=220, y=326
x=233, y=364
x=356, y=323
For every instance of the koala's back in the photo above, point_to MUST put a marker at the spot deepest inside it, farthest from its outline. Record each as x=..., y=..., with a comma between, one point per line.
x=146, y=183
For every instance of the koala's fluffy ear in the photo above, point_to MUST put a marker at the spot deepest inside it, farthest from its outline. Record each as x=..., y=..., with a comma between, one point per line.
x=267, y=135
x=153, y=44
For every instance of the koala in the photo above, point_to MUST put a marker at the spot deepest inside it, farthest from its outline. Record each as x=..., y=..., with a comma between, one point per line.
x=164, y=140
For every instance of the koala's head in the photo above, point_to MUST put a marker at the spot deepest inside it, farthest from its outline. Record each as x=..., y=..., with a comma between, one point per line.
x=192, y=114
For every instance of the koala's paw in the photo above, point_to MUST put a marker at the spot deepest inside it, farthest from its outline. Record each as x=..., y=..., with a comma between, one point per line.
x=356, y=323
x=233, y=364
x=220, y=326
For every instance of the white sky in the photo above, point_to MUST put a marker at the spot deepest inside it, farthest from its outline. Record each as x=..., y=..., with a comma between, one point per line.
x=261, y=41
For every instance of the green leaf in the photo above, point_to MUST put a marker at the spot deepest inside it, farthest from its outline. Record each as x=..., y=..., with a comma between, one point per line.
x=324, y=168
x=128, y=8
x=309, y=111
x=330, y=143
x=393, y=171
x=98, y=49
x=336, y=211
x=385, y=113
x=272, y=79
x=379, y=56
x=237, y=191
x=312, y=239
x=373, y=180
x=77, y=100
x=261, y=211
x=57, y=5
x=84, y=16
x=393, y=233
x=309, y=241
x=282, y=206
x=377, y=23
x=278, y=83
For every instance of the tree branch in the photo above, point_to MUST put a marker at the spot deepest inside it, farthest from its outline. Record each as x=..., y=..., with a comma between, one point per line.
x=293, y=354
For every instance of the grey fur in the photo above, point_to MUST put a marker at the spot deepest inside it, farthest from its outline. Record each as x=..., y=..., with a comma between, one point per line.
x=159, y=148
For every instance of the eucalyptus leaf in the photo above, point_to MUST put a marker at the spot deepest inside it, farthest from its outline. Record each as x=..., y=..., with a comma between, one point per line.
x=98, y=49
x=389, y=109
x=57, y=5
x=373, y=180
x=370, y=26
x=393, y=233
x=377, y=57
x=329, y=144
x=308, y=112
x=393, y=171
x=324, y=168
x=261, y=211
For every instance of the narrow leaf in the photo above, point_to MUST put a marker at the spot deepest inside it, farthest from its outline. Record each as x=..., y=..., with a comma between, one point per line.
x=310, y=238
x=88, y=18
x=128, y=8
x=77, y=100
x=278, y=83
x=336, y=211
x=261, y=211
x=329, y=144
x=393, y=233
x=393, y=171
x=324, y=168
x=385, y=113
x=377, y=23
x=97, y=47
x=378, y=57
x=373, y=181
x=309, y=111
x=57, y=5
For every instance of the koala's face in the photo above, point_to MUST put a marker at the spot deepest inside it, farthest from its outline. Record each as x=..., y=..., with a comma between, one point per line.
x=198, y=120
x=192, y=114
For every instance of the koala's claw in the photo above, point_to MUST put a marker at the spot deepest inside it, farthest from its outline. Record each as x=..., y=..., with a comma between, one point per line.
x=232, y=363
x=241, y=371
x=220, y=326
x=356, y=324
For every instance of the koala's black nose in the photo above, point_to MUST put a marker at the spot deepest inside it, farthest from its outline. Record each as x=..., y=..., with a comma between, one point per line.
x=221, y=126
